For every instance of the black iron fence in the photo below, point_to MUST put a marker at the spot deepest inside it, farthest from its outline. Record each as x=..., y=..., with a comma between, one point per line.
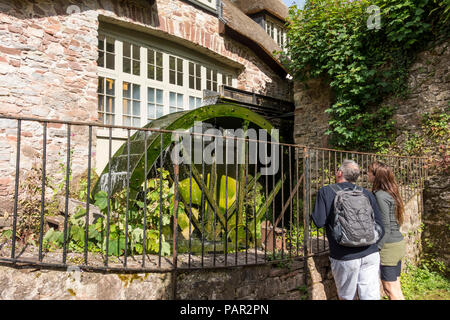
x=166, y=200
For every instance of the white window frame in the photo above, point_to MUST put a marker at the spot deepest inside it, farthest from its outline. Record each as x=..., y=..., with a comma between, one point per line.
x=211, y=4
x=276, y=31
x=142, y=79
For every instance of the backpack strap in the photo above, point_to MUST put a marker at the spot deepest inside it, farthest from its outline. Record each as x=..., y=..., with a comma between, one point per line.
x=335, y=188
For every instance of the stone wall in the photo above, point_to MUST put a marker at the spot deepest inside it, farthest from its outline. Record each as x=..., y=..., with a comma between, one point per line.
x=428, y=91
x=295, y=279
x=266, y=282
x=48, y=69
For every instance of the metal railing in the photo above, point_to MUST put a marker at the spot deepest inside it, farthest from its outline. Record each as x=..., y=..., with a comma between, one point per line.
x=186, y=212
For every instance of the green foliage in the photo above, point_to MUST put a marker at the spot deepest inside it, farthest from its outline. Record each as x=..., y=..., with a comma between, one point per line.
x=432, y=140
x=97, y=239
x=331, y=39
x=420, y=283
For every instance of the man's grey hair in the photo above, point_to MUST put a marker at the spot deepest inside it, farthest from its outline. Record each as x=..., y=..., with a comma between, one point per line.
x=350, y=170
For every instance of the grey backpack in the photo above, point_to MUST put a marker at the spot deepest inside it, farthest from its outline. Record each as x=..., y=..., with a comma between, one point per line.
x=354, y=222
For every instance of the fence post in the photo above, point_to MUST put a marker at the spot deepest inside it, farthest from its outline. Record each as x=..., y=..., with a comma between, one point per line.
x=175, y=222
x=306, y=205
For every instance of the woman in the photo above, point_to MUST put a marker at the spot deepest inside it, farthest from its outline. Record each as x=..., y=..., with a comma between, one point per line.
x=392, y=245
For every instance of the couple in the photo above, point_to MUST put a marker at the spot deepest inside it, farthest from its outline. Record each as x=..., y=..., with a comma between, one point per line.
x=359, y=267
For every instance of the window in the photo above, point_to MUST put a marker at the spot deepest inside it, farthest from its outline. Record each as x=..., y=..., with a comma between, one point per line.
x=140, y=81
x=106, y=100
x=194, y=103
x=195, y=80
x=106, y=52
x=155, y=105
x=154, y=65
x=175, y=102
x=211, y=4
x=131, y=104
x=211, y=79
x=276, y=31
x=131, y=58
x=175, y=71
x=227, y=79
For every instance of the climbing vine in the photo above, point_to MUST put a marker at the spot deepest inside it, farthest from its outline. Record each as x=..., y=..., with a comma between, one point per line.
x=333, y=40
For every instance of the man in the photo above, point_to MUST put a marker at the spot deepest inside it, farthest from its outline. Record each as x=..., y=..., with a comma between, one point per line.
x=354, y=268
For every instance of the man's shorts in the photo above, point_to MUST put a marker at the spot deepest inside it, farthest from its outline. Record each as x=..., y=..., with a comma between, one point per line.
x=362, y=275
x=390, y=273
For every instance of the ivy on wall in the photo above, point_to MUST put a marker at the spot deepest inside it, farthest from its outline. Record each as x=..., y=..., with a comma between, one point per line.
x=362, y=58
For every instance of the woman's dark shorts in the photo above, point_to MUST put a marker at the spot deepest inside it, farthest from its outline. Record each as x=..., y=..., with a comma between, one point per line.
x=390, y=273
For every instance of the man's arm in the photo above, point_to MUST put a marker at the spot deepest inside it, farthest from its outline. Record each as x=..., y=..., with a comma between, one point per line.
x=319, y=214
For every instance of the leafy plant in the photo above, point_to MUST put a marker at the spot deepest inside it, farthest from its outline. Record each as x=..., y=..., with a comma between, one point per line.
x=330, y=39
x=420, y=283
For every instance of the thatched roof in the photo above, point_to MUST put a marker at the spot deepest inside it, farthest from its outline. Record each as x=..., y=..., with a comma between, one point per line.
x=242, y=28
x=275, y=7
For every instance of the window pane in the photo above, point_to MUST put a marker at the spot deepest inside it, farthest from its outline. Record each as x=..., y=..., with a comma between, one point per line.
x=172, y=63
x=101, y=59
x=151, y=72
x=215, y=75
x=126, y=49
x=180, y=100
x=159, y=59
x=150, y=56
x=126, y=121
x=172, y=99
x=136, y=108
x=110, y=87
x=110, y=104
x=191, y=68
x=101, y=85
x=214, y=86
x=191, y=82
x=151, y=111
x=101, y=44
x=191, y=103
x=101, y=101
x=126, y=109
x=110, y=61
x=198, y=70
x=179, y=65
x=179, y=79
x=136, y=67
x=136, y=122
x=136, y=91
x=172, y=77
x=136, y=52
x=159, y=96
x=159, y=112
x=159, y=74
x=110, y=45
x=151, y=94
x=126, y=90
x=126, y=65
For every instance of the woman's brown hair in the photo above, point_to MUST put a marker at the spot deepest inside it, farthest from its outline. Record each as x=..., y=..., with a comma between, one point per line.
x=385, y=180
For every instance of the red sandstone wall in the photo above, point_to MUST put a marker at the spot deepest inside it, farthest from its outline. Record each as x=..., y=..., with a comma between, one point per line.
x=48, y=69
